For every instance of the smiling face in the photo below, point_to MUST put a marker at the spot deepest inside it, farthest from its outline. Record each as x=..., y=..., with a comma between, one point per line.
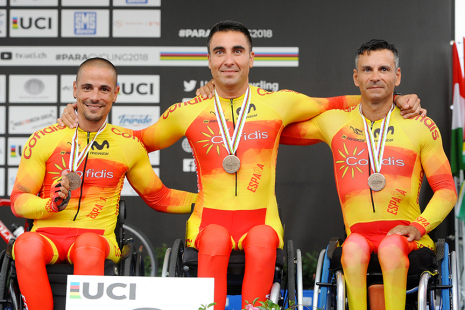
x=229, y=60
x=376, y=76
x=95, y=90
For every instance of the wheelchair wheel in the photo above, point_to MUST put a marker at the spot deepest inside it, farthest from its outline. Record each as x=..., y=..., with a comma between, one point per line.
x=143, y=245
x=290, y=271
x=4, y=273
x=175, y=262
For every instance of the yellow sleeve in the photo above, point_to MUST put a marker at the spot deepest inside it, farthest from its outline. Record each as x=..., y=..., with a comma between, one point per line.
x=149, y=186
x=29, y=181
x=438, y=172
x=295, y=107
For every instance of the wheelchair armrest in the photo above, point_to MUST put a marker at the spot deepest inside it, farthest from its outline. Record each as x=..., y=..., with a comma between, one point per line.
x=440, y=249
x=333, y=244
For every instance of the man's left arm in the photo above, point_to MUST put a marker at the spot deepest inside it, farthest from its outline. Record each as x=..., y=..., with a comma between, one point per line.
x=438, y=172
x=155, y=194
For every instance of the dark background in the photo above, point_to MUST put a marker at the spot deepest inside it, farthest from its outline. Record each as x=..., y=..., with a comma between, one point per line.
x=327, y=32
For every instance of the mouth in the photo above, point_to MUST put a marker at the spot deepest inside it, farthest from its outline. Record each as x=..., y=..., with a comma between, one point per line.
x=93, y=107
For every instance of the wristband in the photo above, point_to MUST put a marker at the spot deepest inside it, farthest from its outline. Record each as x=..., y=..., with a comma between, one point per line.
x=396, y=94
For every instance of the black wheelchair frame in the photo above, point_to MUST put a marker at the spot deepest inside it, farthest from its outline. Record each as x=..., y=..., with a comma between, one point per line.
x=130, y=264
x=182, y=261
x=435, y=286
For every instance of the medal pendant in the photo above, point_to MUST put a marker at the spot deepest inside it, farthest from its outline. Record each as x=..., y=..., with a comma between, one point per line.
x=231, y=164
x=376, y=181
x=74, y=180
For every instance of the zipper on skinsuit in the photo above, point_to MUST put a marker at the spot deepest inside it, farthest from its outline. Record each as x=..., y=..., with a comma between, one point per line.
x=369, y=173
x=83, y=176
x=234, y=128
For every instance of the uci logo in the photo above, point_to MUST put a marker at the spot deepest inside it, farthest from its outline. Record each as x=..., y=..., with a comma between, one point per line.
x=29, y=22
x=141, y=88
x=116, y=291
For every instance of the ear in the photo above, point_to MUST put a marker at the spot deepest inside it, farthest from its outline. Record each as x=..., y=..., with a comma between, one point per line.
x=117, y=88
x=74, y=90
x=355, y=78
x=209, y=61
x=398, y=75
x=251, y=58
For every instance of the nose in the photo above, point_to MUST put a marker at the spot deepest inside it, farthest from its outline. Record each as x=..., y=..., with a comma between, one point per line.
x=375, y=76
x=95, y=96
x=229, y=60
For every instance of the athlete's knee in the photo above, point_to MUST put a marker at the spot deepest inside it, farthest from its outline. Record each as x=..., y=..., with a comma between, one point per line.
x=30, y=247
x=261, y=236
x=214, y=240
x=394, y=241
x=90, y=240
x=355, y=247
x=393, y=252
x=90, y=245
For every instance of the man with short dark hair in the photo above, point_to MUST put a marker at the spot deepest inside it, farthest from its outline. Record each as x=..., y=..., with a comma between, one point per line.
x=58, y=161
x=235, y=149
x=379, y=169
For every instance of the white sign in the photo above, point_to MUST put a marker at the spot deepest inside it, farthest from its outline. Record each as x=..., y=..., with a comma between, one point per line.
x=151, y=293
x=135, y=117
x=127, y=188
x=33, y=2
x=2, y=23
x=66, y=88
x=11, y=179
x=136, y=3
x=2, y=151
x=15, y=150
x=85, y=2
x=2, y=120
x=135, y=56
x=85, y=23
x=136, y=23
x=33, y=23
x=139, y=88
x=33, y=88
x=2, y=2
x=28, y=119
x=2, y=88
x=2, y=182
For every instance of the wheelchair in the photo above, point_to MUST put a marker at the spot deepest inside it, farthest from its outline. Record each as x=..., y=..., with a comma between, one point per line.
x=432, y=280
x=131, y=264
x=180, y=261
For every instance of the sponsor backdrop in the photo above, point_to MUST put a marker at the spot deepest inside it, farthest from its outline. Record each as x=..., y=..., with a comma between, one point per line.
x=159, y=48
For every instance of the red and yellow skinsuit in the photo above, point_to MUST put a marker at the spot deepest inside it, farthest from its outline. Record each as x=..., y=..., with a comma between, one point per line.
x=92, y=208
x=237, y=211
x=413, y=149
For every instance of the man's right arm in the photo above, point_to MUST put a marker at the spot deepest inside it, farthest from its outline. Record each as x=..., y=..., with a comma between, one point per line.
x=29, y=181
x=303, y=133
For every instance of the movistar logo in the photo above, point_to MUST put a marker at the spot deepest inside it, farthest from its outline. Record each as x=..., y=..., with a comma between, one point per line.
x=100, y=146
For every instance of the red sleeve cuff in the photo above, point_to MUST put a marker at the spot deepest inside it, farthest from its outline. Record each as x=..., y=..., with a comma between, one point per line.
x=420, y=228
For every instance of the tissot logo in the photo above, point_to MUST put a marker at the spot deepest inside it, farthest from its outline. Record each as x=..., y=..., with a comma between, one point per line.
x=85, y=23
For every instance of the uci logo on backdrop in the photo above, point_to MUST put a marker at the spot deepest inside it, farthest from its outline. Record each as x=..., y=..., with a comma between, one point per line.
x=139, y=88
x=33, y=23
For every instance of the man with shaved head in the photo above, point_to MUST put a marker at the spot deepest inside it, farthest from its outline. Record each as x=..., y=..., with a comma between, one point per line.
x=72, y=192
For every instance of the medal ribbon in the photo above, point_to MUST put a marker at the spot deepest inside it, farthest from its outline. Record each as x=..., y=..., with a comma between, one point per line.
x=232, y=143
x=76, y=159
x=376, y=152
